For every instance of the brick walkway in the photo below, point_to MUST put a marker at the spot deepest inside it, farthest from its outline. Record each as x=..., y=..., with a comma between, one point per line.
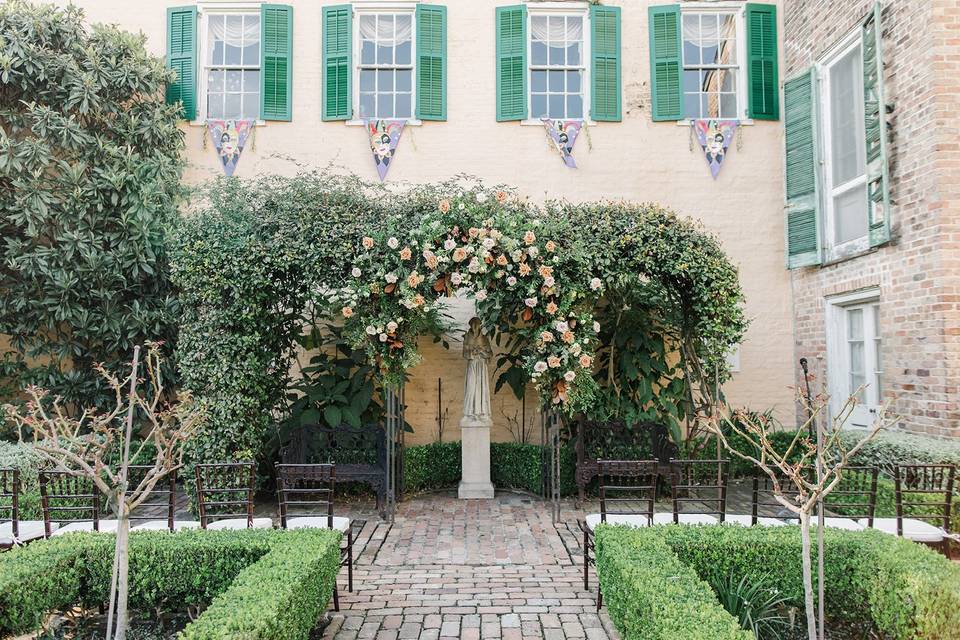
x=471, y=569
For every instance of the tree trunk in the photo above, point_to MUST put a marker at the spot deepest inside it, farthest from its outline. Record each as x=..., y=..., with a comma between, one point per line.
x=123, y=569
x=808, y=576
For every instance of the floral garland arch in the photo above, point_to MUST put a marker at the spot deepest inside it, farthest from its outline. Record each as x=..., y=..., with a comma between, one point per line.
x=499, y=250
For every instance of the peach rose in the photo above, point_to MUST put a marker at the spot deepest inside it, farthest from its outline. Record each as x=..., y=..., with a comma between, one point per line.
x=524, y=269
x=568, y=337
x=459, y=254
x=553, y=362
x=552, y=308
x=444, y=206
x=529, y=237
x=501, y=196
x=367, y=242
x=586, y=361
x=502, y=260
x=551, y=245
x=546, y=336
x=545, y=271
x=347, y=312
x=405, y=253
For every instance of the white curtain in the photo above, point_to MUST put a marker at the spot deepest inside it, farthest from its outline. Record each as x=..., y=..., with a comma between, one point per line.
x=556, y=29
x=234, y=30
x=386, y=33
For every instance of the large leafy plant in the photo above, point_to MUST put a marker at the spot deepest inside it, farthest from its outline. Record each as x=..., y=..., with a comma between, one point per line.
x=90, y=164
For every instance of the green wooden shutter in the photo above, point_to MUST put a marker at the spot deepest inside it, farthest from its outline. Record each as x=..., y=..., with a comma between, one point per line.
x=666, y=65
x=511, y=63
x=276, y=61
x=182, y=58
x=431, y=62
x=337, y=62
x=875, y=114
x=802, y=188
x=605, y=63
x=763, y=84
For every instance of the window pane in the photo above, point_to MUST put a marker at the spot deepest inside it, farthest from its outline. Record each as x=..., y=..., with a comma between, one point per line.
x=251, y=40
x=573, y=81
x=709, y=105
x=231, y=106
x=234, y=79
x=215, y=81
x=538, y=105
x=215, y=105
x=573, y=54
x=234, y=39
x=709, y=52
x=850, y=214
x=404, y=31
x=367, y=52
x=216, y=40
x=384, y=105
x=403, y=52
x=846, y=119
x=556, y=81
x=728, y=26
x=728, y=105
x=251, y=81
x=728, y=80
x=538, y=53
x=574, y=106
x=384, y=54
x=538, y=81
x=403, y=105
x=385, y=80
x=404, y=77
x=555, y=55
x=691, y=38
x=368, y=80
x=368, y=105
x=691, y=81
x=368, y=30
x=691, y=105
x=728, y=52
x=251, y=105
x=555, y=106
x=855, y=328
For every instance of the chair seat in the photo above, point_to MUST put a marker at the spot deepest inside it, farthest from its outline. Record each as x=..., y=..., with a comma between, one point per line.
x=847, y=524
x=164, y=525
x=629, y=520
x=27, y=530
x=318, y=522
x=240, y=523
x=747, y=521
x=105, y=526
x=916, y=530
x=685, y=518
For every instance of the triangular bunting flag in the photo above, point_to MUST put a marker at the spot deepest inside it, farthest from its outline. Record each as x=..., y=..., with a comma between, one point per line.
x=714, y=137
x=563, y=134
x=384, y=137
x=229, y=137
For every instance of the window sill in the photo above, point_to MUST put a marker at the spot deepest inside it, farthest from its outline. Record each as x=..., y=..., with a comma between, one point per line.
x=848, y=251
x=686, y=122
x=536, y=122
x=411, y=122
x=203, y=123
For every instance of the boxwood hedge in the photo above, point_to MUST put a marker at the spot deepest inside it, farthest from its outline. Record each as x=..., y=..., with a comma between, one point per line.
x=258, y=584
x=908, y=591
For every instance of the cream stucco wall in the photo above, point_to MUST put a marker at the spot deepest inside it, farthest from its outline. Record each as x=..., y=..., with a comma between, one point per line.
x=635, y=159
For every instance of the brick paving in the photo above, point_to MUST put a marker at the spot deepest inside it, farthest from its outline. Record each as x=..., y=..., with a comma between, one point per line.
x=474, y=569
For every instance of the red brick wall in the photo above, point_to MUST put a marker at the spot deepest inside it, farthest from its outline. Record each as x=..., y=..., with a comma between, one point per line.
x=918, y=273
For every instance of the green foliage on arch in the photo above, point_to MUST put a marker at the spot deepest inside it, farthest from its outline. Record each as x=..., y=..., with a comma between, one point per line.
x=257, y=258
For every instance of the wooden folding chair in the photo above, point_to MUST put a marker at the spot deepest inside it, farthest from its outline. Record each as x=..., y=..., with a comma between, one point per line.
x=14, y=531
x=698, y=491
x=921, y=488
x=162, y=500
x=225, y=492
x=71, y=501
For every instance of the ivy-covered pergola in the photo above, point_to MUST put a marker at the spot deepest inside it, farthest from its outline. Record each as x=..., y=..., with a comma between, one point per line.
x=254, y=257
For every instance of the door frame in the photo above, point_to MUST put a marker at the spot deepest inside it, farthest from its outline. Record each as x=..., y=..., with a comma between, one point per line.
x=836, y=339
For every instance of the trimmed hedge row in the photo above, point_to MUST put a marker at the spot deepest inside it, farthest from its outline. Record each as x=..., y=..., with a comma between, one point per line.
x=907, y=590
x=652, y=595
x=258, y=584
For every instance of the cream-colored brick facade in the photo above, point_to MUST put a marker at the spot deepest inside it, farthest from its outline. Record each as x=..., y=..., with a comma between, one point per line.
x=636, y=159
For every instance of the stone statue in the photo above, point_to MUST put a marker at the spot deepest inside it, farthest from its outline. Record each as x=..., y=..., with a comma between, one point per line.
x=476, y=391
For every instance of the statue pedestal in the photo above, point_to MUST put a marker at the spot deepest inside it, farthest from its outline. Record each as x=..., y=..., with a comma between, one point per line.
x=475, y=459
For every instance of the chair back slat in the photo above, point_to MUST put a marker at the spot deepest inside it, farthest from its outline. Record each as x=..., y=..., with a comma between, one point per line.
x=225, y=490
x=67, y=497
x=916, y=480
x=306, y=490
x=9, y=499
x=699, y=487
x=856, y=494
x=162, y=500
x=627, y=487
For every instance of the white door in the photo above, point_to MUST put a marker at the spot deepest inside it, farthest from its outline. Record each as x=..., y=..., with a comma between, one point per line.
x=861, y=372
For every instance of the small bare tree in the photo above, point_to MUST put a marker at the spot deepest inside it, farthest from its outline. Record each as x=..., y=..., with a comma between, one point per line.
x=789, y=472
x=85, y=446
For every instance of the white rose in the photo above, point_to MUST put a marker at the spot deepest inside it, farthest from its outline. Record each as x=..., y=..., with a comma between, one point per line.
x=474, y=265
x=481, y=197
x=533, y=251
x=456, y=278
x=449, y=244
x=461, y=206
x=540, y=367
x=481, y=295
x=495, y=234
x=391, y=278
x=562, y=327
x=371, y=330
x=530, y=302
x=569, y=376
x=511, y=281
x=516, y=255
x=489, y=243
x=595, y=284
x=356, y=272
x=596, y=327
x=383, y=337
x=391, y=326
x=576, y=348
x=393, y=243
x=549, y=281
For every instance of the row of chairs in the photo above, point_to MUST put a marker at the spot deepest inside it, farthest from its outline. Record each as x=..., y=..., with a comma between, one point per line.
x=628, y=492
x=225, y=500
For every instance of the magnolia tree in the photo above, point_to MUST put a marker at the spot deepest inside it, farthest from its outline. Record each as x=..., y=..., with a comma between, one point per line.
x=88, y=445
x=790, y=472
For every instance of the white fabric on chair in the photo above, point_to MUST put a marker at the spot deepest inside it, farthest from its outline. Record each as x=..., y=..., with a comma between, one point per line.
x=630, y=520
x=240, y=523
x=164, y=525
x=916, y=530
x=685, y=518
x=27, y=530
x=847, y=524
x=105, y=526
x=317, y=522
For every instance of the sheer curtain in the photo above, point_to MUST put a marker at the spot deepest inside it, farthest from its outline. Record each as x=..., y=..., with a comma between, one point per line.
x=382, y=31
x=233, y=31
x=556, y=29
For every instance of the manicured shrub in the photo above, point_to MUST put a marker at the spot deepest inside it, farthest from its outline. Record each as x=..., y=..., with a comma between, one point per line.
x=652, y=595
x=431, y=466
x=516, y=465
x=292, y=572
x=28, y=462
x=890, y=448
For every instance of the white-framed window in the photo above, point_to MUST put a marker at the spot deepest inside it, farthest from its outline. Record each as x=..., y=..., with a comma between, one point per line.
x=713, y=54
x=557, y=64
x=854, y=347
x=843, y=149
x=229, y=54
x=385, y=64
